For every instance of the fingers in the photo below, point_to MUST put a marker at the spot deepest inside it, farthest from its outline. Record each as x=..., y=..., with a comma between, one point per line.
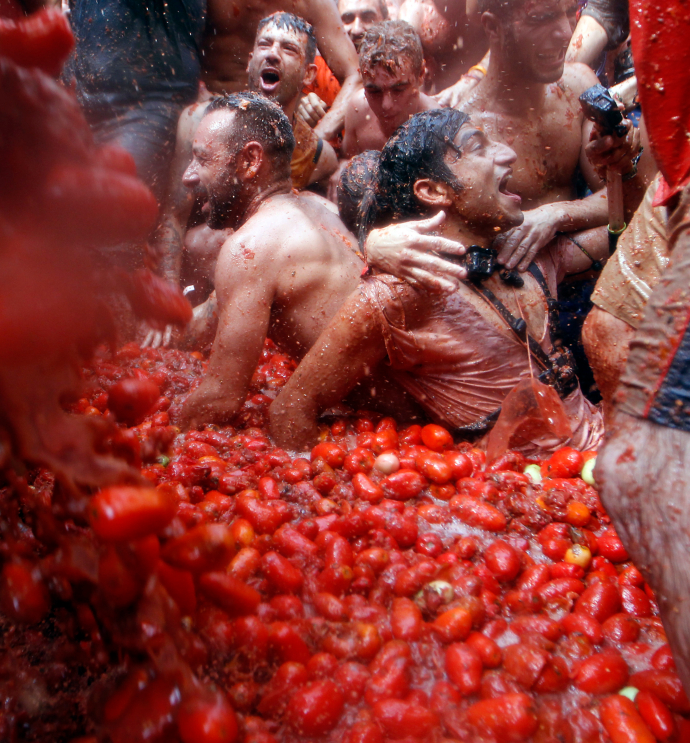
x=431, y=282
x=432, y=223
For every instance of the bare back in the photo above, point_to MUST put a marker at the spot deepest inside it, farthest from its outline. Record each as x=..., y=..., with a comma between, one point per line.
x=284, y=273
x=546, y=135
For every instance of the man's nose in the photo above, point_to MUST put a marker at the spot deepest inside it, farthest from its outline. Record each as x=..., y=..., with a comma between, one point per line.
x=505, y=155
x=190, y=178
x=562, y=30
x=387, y=102
x=356, y=28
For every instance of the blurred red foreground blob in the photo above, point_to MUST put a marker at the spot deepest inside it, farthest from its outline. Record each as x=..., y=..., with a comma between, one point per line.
x=61, y=199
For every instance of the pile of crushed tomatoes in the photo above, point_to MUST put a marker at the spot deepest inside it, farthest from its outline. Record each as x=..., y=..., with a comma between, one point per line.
x=388, y=587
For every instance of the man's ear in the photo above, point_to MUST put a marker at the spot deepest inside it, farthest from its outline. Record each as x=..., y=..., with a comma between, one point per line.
x=433, y=193
x=309, y=74
x=492, y=26
x=249, y=161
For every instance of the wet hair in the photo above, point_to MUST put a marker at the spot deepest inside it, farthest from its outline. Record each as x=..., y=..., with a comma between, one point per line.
x=381, y=4
x=416, y=150
x=357, y=179
x=385, y=43
x=501, y=8
x=292, y=22
x=260, y=120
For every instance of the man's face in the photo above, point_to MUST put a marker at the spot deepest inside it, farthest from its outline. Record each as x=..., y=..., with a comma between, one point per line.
x=483, y=170
x=212, y=173
x=278, y=64
x=537, y=35
x=358, y=16
x=392, y=94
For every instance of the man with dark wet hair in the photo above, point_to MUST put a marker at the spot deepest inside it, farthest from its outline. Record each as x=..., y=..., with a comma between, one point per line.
x=391, y=62
x=286, y=268
x=231, y=29
x=458, y=355
x=357, y=179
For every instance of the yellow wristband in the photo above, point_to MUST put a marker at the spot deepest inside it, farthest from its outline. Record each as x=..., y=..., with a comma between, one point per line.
x=479, y=68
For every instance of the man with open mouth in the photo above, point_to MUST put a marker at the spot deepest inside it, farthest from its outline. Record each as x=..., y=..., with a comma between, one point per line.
x=280, y=65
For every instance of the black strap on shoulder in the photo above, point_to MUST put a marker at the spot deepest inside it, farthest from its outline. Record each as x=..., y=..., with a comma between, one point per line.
x=558, y=367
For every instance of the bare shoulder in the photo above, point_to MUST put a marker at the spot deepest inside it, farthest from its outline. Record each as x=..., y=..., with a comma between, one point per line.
x=428, y=103
x=357, y=109
x=577, y=77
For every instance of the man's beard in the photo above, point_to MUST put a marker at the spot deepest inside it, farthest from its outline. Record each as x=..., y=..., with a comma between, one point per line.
x=223, y=209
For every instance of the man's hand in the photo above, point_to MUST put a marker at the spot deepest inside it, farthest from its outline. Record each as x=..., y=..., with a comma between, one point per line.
x=406, y=250
x=612, y=152
x=156, y=338
x=312, y=109
x=518, y=247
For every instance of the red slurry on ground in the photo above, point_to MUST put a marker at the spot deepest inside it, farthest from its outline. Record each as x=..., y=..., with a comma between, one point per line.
x=251, y=595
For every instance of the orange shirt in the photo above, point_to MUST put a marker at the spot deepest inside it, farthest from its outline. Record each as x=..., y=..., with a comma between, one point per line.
x=325, y=85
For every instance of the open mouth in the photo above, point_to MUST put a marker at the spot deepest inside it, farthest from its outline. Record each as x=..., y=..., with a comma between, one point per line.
x=270, y=79
x=503, y=190
x=555, y=57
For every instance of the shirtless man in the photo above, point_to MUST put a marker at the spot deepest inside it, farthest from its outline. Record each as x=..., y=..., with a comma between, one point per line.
x=230, y=31
x=455, y=354
x=358, y=16
x=392, y=65
x=279, y=65
x=529, y=100
x=287, y=267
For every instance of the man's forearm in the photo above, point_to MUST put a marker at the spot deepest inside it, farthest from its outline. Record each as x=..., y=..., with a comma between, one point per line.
x=581, y=214
x=168, y=248
x=332, y=123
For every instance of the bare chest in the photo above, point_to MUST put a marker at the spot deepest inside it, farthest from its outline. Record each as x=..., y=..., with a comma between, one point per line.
x=547, y=145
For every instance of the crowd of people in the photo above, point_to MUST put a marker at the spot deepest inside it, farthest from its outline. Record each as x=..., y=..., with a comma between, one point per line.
x=398, y=194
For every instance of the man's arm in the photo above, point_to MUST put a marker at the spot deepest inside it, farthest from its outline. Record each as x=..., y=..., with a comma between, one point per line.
x=348, y=349
x=245, y=296
x=340, y=55
x=326, y=165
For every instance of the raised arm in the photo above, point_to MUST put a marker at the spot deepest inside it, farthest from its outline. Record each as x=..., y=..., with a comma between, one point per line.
x=348, y=350
x=245, y=296
x=340, y=55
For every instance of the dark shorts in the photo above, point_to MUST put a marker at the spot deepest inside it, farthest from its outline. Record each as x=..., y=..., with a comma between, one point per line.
x=146, y=130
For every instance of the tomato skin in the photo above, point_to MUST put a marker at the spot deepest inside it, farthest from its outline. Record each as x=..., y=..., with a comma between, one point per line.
x=621, y=628
x=281, y=573
x=503, y=560
x=23, y=595
x=464, y=667
x=43, y=40
x=460, y=464
x=622, y=721
x=434, y=467
x=315, y=709
x=207, y=720
x=232, y=595
x=662, y=660
x=611, y=547
x=488, y=650
x=600, y=600
x=525, y=662
x=635, y=601
x=656, y=714
x=123, y=512
x=400, y=719
x=131, y=399
x=202, y=548
x=403, y=485
x=509, y=717
x=566, y=462
x=406, y=620
x=453, y=625
x=436, y=437
x=666, y=685
x=603, y=673
x=475, y=512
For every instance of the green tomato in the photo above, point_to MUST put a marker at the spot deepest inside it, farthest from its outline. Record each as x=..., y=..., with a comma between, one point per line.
x=629, y=691
x=533, y=471
x=587, y=473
